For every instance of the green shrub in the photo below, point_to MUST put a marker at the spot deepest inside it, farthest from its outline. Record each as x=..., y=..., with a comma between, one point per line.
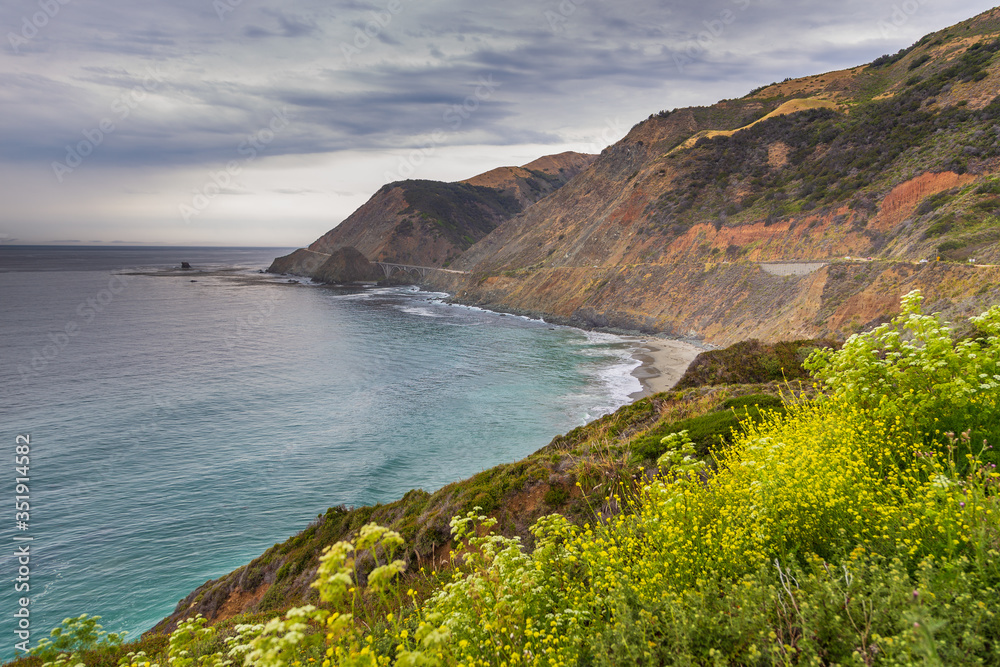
x=75, y=636
x=556, y=496
x=953, y=244
x=708, y=432
x=918, y=61
x=914, y=372
x=751, y=362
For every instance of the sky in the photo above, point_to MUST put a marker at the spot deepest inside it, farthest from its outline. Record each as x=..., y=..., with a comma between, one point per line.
x=267, y=122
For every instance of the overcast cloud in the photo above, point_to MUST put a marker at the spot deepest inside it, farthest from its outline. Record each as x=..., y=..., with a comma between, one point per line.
x=259, y=122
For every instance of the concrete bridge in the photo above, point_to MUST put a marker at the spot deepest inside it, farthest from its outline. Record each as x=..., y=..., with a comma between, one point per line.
x=389, y=268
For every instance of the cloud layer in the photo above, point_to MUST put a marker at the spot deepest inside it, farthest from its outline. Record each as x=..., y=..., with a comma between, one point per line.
x=141, y=95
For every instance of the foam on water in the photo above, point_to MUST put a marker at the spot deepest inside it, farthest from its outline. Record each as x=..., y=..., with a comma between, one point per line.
x=611, y=370
x=422, y=312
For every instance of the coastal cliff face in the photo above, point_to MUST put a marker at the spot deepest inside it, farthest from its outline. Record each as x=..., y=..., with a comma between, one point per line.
x=726, y=303
x=802, y=210
x=430, y=223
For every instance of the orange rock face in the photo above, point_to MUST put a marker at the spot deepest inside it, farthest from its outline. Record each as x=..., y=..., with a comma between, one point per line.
x=901, y=202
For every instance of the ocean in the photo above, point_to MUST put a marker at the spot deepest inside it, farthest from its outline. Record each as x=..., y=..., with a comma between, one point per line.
x=182, y=424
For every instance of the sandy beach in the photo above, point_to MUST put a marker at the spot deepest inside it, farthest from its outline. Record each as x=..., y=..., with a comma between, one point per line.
x=664, y=362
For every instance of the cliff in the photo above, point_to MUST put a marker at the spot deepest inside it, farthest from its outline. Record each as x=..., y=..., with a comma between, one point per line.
x=430, y=223
x=804, y=209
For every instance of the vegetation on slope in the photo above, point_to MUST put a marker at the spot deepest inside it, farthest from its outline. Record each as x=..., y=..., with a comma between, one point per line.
x=752, y=361
x=862, y=526
x=463, y=213
x=600, y=456
x=832, y=159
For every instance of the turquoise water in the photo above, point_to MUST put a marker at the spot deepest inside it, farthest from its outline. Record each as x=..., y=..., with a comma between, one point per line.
x=180, y=428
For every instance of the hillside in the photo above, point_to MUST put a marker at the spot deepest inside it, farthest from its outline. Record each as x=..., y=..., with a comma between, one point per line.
x=737, y=220
x=430, y=223
x=536, y=179
x=803, y=210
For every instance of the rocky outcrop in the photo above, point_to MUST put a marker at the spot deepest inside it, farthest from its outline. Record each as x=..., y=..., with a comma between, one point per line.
x=344, y=265
x=902, y=201
x=301, y=262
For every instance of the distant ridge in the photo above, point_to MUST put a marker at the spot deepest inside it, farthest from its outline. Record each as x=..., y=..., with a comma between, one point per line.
x=430, y=223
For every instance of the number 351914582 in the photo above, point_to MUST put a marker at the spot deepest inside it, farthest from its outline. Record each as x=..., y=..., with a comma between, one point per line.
x=22, y=450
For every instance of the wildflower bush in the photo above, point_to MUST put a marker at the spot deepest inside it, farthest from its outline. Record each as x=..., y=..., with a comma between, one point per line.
x=914, y=373
x=74, y=636
x=858, y=528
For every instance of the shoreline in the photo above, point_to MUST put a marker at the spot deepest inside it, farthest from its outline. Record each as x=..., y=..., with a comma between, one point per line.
x=663, y=362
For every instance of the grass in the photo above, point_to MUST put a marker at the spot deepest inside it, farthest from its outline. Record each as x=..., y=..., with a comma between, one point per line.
x=836, y=159
x=461, y=212
x=709, y=432
x=785, y=108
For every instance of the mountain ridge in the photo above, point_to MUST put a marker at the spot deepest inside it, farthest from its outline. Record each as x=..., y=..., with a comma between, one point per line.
x=666, y=232
x=430, y=223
